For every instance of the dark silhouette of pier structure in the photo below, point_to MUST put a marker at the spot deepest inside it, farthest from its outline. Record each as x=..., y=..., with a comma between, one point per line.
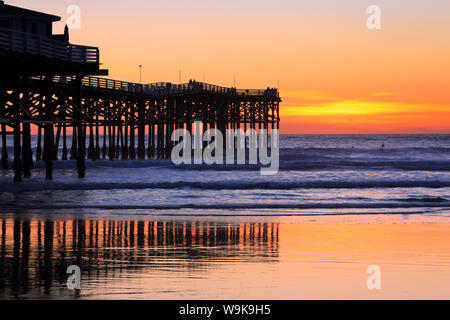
x=56, y=88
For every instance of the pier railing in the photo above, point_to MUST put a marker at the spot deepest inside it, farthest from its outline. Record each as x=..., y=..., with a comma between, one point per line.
x=163, y=88
x=33, y=44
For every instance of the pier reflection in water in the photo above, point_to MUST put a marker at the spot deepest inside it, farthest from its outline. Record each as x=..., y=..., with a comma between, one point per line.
x=118, y=257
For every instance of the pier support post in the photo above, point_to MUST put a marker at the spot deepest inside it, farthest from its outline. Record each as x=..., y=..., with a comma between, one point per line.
x=74, y=148
x=132, y=152
x=141, y=142
x=110, y=141
x=27, y=155
x=150, y=141
x=61, y=127
x=170, y=113
x=91, y=148
x=3, y=126
x=81, y=157
x=124, y=142
x=189, y=130
x=105, y=136
x=160, y=141
x=48, y=132
x=5, y=165
x=278, y=115
x=141, y=130
x=204, y=122
x=156, y=140
x=125, y=138
x=39, y=143
x=97, y=139
x=17, y=166
x=64, y=150
x=119, y=145
x=58, y=137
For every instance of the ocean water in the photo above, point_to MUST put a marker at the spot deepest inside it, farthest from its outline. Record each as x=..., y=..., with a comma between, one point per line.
x=153, y=230
x=319, y=175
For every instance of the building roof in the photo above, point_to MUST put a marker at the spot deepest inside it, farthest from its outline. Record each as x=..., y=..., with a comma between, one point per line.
x=11, y=11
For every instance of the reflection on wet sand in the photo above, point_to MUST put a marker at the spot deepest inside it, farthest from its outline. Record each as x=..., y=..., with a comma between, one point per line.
x=35, y=254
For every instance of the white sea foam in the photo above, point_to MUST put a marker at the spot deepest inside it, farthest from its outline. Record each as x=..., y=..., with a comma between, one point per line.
x=326, y=172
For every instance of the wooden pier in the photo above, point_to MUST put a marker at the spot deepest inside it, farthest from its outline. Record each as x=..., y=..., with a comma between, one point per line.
x=52, y=88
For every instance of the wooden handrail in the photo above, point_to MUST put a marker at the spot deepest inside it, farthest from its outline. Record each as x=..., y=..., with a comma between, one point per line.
x=34, y=44
x=162, y=88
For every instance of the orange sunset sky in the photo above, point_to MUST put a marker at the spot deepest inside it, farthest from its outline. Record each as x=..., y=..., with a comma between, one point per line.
x=335, y=75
